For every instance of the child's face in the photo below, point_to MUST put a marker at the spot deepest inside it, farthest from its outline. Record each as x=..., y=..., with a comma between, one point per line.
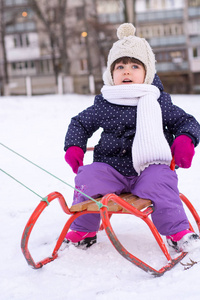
x=128, y=73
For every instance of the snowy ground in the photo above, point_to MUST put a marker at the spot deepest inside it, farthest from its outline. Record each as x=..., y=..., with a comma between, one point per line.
x=35, y=127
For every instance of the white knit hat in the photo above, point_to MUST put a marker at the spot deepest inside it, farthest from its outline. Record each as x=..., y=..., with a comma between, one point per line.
x=131, y=46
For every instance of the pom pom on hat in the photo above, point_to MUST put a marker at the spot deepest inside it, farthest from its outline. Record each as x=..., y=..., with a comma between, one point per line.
x=125, y=29
x=129, y=45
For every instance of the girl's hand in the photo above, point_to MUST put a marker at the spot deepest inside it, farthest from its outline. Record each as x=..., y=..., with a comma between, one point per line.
x=183, y=151
x=74, y=157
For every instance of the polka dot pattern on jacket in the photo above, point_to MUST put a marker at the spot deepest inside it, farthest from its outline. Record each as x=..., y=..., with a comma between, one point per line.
x=119, y=126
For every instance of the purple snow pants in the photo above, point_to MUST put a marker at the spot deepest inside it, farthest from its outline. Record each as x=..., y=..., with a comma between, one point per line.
x=157, y=183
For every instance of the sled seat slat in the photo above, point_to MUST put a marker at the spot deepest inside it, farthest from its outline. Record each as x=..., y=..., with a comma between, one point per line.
x=90, y=205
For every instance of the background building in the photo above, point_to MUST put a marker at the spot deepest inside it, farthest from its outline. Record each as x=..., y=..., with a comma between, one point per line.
x=172, y=29
x=50, y=46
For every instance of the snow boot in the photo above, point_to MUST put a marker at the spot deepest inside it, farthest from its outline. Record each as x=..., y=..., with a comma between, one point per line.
x=183, y=241
x=81, y=239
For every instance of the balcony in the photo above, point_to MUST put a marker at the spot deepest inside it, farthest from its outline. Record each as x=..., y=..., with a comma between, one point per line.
x=21, y=27
x=167, y=41
x=15, y=2
x=170, y=66
x=111, y=18
x=194, y=11
x=195, y=40
x=163, y=15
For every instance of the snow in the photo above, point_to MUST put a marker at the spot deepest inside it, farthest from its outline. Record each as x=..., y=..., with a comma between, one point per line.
x=35, y=127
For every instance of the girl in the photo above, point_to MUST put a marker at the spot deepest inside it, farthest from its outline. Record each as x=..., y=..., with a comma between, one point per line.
x=140, y=124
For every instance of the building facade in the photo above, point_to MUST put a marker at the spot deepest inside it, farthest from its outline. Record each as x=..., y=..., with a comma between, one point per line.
x=52, y=48
x=48, y=55
x=172, y=29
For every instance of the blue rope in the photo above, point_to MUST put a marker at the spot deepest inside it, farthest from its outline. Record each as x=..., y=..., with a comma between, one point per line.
x=99, y=204
x=20, y=183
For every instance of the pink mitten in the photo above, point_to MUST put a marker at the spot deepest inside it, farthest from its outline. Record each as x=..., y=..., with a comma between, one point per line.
x=183, y=151
x=74, y=157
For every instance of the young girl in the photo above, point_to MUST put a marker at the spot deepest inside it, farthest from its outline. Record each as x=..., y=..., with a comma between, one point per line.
x=139, y=124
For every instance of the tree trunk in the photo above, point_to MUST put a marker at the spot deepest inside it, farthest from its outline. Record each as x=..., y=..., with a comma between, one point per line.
x=2, y=39
x=52, y=34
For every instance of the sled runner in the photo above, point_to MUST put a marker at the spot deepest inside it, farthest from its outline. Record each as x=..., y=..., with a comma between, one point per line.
x=111, y=204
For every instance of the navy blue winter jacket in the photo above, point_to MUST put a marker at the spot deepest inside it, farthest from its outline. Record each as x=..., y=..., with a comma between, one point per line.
x=119, y=126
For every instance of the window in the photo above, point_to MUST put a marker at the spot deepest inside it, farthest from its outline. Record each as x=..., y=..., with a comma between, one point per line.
x=14, y=66
x=195, y=52
x=15, y=41
x=155, y=4
x=175, y=56
x=156, y=31
x=170, y=3
x=21, y=40
x=23, y=67
x=44, y=67
x=110, y=11
x=27, y=40
x=194, y=3
x=194, y=26
x=147, y=4
x=167, y=30
x=163, y=4
x=177, y=29
x=163, y=56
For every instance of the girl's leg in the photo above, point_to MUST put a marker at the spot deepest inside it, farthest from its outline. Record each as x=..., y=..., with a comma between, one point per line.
x=159, y=184
x=96, y=180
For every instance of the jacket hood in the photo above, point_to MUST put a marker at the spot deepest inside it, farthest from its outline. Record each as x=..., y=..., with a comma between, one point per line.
x=157, y=82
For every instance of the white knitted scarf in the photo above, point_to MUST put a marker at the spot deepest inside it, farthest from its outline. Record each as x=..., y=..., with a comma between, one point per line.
x=149, y=145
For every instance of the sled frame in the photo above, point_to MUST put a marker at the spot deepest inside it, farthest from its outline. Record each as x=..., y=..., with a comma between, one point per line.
x=126, y=208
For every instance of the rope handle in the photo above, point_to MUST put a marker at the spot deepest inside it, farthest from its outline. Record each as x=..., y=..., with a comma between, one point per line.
x=99, y=204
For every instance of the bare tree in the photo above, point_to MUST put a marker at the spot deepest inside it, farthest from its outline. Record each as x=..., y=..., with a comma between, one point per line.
x=52, y=15
x=3, y=46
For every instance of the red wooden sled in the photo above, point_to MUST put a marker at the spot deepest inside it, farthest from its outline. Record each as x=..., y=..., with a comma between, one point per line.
x=113, y=204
